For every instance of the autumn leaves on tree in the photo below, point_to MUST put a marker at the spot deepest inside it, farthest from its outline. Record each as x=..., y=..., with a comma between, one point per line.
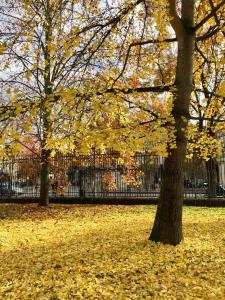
x=118, y=74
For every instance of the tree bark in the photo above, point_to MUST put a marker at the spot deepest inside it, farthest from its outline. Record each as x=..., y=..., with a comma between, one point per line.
x=212, y=176
x=44, y=184
x=167, y=226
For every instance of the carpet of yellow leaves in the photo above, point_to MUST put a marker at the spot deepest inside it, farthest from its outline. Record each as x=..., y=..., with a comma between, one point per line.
x=103, y=252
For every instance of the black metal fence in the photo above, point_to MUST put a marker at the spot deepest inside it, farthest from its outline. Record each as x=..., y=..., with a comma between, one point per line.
x=106, y=176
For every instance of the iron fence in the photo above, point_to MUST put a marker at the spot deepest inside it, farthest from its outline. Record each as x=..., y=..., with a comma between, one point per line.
x=107, y=176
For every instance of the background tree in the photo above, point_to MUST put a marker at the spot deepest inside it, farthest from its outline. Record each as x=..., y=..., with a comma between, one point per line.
x=207, y=107
x=49, y=67
x=43, y=49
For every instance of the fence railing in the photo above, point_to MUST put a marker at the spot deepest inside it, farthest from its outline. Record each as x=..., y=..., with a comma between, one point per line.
x=107, y=176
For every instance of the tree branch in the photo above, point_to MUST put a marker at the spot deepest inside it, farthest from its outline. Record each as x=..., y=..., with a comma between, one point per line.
x=144, y=89
x=175, y=21
x=210, y=15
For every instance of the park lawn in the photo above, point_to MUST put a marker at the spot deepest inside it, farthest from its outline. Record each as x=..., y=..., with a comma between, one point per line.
x=103, y=252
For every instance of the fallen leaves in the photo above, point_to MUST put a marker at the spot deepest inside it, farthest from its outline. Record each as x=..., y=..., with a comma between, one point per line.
x=103, y=252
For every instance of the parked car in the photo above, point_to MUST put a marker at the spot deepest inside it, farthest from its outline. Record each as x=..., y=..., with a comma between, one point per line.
x=220, y=189
x=6, y=189
x=188, y=183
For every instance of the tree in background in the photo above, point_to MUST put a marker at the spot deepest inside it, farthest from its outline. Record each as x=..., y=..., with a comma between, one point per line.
x=43, y=48
x=208, y=108
x=51, y=84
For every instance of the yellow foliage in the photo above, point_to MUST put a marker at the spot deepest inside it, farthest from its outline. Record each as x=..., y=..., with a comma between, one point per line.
x=103, y=252
x=203, y=144
x=2, y=49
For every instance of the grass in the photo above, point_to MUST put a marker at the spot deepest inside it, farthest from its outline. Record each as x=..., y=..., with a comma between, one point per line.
x=103, y=252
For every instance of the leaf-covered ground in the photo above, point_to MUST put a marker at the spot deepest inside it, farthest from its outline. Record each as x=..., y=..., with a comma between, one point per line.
x=103, y=252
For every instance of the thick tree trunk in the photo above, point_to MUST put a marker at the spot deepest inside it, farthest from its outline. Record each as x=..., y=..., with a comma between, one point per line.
x=167, y=226
x=44, y=188
x=212, y=175
x=168, y=221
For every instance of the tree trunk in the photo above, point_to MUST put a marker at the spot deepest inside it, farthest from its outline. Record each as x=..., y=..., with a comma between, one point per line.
x=167, y=226
x=168, y=221
x=212, y=175
x=44, y=188
x=46, y=109
x=81, y=187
